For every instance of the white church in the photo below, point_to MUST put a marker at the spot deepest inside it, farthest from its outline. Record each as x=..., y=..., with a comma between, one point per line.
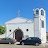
x=19, y=27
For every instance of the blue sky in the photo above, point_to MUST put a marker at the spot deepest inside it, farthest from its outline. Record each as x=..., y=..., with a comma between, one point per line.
x=9, y=9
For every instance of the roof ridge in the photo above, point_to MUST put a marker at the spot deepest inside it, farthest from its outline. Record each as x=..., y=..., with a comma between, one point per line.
x=25, y=18
x=20, y=18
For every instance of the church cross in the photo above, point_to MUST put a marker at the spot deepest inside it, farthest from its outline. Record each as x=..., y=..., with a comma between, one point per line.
x=19, y=13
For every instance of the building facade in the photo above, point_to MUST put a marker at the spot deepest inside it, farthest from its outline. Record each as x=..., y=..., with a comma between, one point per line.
x=19, y=27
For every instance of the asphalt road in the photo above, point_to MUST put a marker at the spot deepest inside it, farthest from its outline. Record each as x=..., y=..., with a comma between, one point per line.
x=21, y=46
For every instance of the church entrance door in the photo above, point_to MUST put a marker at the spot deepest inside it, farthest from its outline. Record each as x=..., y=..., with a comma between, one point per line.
x=18, y=34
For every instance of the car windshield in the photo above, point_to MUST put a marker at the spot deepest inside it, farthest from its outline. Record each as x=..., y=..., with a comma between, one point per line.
x=34, y=38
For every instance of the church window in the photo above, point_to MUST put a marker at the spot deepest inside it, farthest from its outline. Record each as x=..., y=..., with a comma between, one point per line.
x=10, y=30
x=26, y=29
x=42, y=24
x=37, y=12
x=42, y=12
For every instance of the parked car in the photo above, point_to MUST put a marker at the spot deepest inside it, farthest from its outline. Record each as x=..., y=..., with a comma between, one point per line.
x=8, y=40
x=31, y=40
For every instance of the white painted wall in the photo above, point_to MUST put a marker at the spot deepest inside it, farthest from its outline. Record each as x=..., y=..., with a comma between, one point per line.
x=22, y=26
x=39, y=31
x=35, y=29
x=2, y=36
x=43, y=30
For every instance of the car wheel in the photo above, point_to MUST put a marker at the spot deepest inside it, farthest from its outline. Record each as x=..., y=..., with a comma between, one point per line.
x=36, y=44
x=22, y=43
x=9, y=42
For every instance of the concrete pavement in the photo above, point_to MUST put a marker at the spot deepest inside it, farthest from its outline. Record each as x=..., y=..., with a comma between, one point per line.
x=19, y=46
x=45, y=45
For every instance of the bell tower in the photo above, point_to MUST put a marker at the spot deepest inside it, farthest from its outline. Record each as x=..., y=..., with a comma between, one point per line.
x=40, y=24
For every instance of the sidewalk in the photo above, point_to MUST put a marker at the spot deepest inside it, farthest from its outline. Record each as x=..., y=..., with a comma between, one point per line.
x=40, y=44
x=45, y=43
x=17, y=43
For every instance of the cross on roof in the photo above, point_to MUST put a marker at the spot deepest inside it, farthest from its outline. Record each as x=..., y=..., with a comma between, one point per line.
x=19, y=13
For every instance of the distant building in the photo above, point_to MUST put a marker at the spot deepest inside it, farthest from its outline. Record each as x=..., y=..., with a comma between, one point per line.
x=47, y=36
x=19, y=27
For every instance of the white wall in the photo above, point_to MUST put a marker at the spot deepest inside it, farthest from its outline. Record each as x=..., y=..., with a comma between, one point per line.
x=36, y=27
x=23, y=27
x=43, y=30
x=39, y=31
x=2, y=36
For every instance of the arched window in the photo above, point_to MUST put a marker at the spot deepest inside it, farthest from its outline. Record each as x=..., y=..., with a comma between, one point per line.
x=42, y=12
x=37, y=12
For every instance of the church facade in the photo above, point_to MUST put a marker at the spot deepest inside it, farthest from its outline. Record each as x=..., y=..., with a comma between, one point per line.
x=19, y=27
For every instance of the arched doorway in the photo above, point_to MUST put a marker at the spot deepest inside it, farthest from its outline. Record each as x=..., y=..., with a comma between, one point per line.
x=18, y=34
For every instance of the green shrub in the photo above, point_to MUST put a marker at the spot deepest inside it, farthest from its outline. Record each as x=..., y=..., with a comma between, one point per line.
x=2, y=30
